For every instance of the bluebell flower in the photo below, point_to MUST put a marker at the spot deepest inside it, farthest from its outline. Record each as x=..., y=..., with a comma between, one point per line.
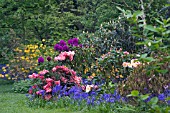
x=93, y=93
x=112, y=100
x=84, y=95
x=97, y=102
x=168, y=102
x=161, y=97
x=56, y=89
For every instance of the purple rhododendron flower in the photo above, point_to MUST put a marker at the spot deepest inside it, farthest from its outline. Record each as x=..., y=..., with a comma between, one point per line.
x=80, y=45
x=60, y=48
x=70, y=41
x=62, y=43
x=40, y=59
x=65, y=48
x=75, y=41
x=56, y=47
x=48, y=58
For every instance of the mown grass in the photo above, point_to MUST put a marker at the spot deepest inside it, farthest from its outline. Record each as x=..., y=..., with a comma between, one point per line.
x=16, y=103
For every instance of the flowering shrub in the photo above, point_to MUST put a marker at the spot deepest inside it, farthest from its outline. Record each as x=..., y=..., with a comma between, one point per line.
x=60, y=76
x=146, y=81
x=114, y=65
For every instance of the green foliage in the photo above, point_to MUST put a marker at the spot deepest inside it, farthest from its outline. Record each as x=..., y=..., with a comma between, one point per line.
x=5, y=82
x=146, y=82
x=152, y=106
x=22, y=86
x=154, y=72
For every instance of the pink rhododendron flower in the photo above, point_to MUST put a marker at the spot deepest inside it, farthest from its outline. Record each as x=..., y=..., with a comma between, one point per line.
x=39, y=92
x=63, y=55
x=96, y=87
x=47, y=85
x=73, y=72
x=63, y=79
x=41, y=77
x=57, y=82
x=83, y=87
x=126, y=53
x=49, y=80
x=47, y=96
x=54, y=69
x=34, y=75
x=48, y=90
x=59, y=58
x=75, y=79
x=30, y=91
x=43, y=72
x=30, y=76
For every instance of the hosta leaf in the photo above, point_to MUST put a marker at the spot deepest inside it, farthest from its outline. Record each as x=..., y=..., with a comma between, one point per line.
x=153, y=101
x=135, y=93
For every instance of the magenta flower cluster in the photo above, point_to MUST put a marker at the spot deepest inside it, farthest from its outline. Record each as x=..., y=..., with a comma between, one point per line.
x=62, y=45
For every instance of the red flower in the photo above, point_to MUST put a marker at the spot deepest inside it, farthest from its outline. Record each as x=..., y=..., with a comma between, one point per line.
x=34, y=86
x=30, y=91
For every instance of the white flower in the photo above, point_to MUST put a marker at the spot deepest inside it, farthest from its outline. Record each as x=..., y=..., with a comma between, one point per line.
x=149, y=44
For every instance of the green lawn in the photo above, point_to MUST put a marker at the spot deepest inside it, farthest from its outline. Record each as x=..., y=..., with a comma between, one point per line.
x=15, y=103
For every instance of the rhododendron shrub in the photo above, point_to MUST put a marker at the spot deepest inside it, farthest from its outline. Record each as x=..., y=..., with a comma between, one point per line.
x=58, y=76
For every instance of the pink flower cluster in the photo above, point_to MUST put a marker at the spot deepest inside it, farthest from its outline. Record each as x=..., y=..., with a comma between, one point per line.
x=64, y=55
x=34, y=76
x=67, y=75
x=134, y=63
x=43, y=72
x=49, y=83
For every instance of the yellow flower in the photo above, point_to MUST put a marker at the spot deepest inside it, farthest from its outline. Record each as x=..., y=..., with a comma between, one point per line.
x=27, y=51
x=6, y=75
x=86, y=70
x=36, y=46
x=7, y=65
x=41, y=45
x=121, y=76
x=116, y=70
x=3, y=68
x=22, y=57
x=43, y=40
x=1, y=75
x=93, y=74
